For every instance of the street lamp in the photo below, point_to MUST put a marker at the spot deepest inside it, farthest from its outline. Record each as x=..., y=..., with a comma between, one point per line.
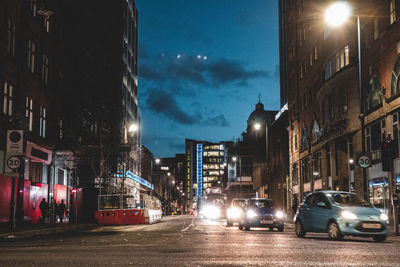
x=336, y=15
x=133, y=128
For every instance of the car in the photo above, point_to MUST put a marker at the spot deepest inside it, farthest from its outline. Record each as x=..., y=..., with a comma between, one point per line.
x=339, y=214
x=234, y=211
x=261, y=212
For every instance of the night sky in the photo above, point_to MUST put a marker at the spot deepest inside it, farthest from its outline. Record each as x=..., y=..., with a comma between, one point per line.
x=202, y=66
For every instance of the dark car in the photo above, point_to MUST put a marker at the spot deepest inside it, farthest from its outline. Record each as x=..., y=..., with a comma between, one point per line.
x=261, y=212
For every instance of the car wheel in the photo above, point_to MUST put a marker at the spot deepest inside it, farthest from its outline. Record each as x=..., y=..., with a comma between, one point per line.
x=271, y=228
x=240, y=227
x=379, y=238
x=334, y=231
x=229, y=223
x=247, y=228
x=299, y=229
x=280, y=228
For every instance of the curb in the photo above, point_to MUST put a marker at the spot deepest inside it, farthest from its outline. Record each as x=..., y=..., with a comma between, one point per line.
x=46, y=231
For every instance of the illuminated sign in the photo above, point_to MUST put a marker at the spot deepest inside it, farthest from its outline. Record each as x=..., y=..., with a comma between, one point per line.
x=199, y=171
x=136, y=178
x=164, y=168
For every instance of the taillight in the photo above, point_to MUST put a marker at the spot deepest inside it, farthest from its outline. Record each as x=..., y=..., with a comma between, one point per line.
x=298, y=207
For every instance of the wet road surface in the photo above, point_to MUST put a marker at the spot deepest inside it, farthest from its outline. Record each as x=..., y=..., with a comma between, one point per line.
x=190, y=241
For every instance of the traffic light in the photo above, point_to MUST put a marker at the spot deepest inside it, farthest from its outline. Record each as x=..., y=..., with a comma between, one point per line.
x=387, y=156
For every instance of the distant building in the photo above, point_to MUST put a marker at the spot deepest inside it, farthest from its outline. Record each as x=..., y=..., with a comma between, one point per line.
x=206, y=164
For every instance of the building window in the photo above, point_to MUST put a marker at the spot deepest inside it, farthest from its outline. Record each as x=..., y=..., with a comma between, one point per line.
x=311, y=59
x=60, y=127
x=315, y=53
x=36, y=172
x=375, y=134
x=305, y=170
x=11, y=37
x=46, y=24
x=45, y=68
x=395, y=83
x=392, y=11
x=31, y=56
x=42, y=126
x=29, y=112
x=342, y=100
x=374, y=94
x=317, y=163
x=7, y=99
x=33, y=7
x=295, y=179
x=337, y=62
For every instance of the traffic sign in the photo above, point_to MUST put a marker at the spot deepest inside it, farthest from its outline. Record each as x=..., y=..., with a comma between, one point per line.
x=364, y=161
x=13, y=162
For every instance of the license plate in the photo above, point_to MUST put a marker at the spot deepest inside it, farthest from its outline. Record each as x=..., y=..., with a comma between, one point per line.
x=266, y=221
x=371, y=226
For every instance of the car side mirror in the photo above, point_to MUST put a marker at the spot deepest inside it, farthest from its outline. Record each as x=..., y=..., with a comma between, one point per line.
x=321, y=204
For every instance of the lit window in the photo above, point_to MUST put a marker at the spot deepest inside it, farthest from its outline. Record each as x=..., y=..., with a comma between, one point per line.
x=33, y=7
x=337, y=62
x=42, y=123
x=31, y=56
x=29, y=112
x=60, y=126
x=7, y=99
x=11, y=37
x=395, y=84
x=392, y=11
x=376, y=28
x=46, y=24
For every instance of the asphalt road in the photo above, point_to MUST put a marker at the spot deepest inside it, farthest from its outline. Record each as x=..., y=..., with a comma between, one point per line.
x=190, y=241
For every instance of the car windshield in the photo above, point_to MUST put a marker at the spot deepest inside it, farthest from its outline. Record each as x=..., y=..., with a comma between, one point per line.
x=238, y=203
x=349, y=200
x=262, y=203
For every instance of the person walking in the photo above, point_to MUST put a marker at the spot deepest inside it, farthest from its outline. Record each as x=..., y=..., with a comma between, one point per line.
x=294, y=206
x=44, y=207
x=61, y=210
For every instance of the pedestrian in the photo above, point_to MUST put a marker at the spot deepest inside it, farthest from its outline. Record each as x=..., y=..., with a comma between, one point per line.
x=294, y=206
x=53, y=209
x=61, y=210
x=44, y=207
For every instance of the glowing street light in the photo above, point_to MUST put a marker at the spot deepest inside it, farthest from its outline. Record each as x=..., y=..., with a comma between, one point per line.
x=337, y=13
x=133, y=128
x=157, y=161
x=234, y=158
x=257, y=126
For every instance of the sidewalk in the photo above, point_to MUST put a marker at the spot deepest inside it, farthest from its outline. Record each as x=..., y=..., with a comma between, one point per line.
x=30, y=229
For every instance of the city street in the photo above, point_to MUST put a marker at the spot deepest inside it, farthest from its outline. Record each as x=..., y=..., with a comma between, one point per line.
x=190, y=241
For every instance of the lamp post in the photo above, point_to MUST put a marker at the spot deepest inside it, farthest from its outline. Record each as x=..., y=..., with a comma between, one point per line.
x=336, y=15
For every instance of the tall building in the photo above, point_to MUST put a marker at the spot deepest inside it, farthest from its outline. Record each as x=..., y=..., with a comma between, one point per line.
x=328, y=113
x=28, y=78
x=206, y=167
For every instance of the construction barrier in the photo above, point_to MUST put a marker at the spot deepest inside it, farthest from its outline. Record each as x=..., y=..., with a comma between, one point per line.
x=121, y=217
x=152, y=215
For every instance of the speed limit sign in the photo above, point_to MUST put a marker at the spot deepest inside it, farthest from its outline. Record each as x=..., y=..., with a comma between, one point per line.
x=364, y=161
x=13, y=162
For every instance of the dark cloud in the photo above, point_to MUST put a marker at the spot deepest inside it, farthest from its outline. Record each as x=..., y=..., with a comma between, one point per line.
x=225, y=71
x=219, y=120
x=191, y=70
x=163, y=103
x=175, y=145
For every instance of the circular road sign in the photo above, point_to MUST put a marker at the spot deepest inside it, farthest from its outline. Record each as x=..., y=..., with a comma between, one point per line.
x=13, y=162
x=364, y=161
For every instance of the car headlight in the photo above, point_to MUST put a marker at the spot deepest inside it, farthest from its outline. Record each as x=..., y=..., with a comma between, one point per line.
x=234, y=212
x=348, y=215
x=211, y=211
x=279, y=215
x=251, y=214
x=384, y=217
